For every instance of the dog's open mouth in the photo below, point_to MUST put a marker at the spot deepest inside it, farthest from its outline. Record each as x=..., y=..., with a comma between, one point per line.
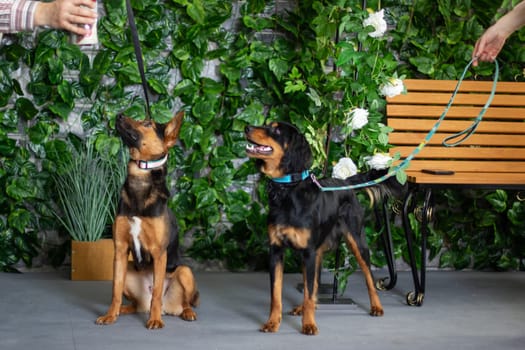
x=255, y=149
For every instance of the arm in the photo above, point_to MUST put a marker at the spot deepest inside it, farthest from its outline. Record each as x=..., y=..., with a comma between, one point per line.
x=491, y=42
x=25, y=15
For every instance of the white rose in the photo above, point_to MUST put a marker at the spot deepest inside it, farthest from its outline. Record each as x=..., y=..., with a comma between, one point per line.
x=344, y=168
x=379, y=161
x=392, y=88
x=376, y=20
x=358, y=118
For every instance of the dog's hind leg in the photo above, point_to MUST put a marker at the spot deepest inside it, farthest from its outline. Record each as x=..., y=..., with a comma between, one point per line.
x=376, y=309
x=190, y=294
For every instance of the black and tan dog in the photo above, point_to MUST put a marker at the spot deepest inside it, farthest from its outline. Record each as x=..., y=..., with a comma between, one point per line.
x=155, y=281
x=303, y=217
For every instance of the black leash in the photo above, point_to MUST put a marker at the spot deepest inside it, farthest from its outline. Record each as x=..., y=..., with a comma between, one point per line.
x=138, y=54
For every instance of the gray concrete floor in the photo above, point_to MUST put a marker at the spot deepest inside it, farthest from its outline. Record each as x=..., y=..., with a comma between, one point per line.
x=462, y=310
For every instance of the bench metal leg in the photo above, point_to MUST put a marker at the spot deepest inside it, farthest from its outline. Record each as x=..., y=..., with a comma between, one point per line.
x=388, y=247
x=415, y=298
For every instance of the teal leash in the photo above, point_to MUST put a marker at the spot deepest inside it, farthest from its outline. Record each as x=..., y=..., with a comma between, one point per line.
x=446, y=142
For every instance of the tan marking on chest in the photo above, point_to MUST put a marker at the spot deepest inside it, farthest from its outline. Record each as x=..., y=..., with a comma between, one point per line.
x=296, y=237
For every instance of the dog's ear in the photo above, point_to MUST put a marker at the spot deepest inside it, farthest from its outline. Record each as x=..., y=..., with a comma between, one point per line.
x=299, y=155
x=172, y=129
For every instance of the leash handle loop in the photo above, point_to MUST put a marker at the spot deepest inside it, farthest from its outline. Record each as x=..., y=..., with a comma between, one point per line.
x=472, y=128
x=138, y=54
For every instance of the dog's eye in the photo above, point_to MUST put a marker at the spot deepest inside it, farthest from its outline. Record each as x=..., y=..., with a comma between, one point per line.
x=277, y=131
x=147, y=123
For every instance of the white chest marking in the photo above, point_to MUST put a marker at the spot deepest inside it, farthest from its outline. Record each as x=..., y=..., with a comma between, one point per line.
x=135, y=230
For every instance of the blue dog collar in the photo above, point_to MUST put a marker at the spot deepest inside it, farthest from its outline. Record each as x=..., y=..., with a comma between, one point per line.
x=292, y=177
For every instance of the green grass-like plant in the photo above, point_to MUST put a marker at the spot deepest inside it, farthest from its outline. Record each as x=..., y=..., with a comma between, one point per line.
x=87, y=187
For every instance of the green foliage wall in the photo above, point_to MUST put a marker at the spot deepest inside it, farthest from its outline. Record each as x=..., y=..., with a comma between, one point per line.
x=227, y=64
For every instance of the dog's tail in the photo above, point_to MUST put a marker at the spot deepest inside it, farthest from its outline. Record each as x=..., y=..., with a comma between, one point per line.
x=390, y=188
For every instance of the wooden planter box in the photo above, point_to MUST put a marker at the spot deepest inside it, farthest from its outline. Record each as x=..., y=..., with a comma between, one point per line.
x=92, y=261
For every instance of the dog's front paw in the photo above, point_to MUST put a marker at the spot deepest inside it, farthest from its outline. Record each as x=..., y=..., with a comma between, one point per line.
x=155, y=324
x=376, y=311
x=106, y=319
x=310, y=329
x=188, y=315
x=270, y=327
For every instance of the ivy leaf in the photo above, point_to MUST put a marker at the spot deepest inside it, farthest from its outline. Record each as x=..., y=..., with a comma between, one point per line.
x=211, y=87
x=498, y=200
x=19, y=219
x=57, y=151
x=251, y=115
x=191, y=134
x=222, y=177
x=21, y=188
x=231, y=73
x=195, y=10
x=40, y=91
x=401, y=176
x=204, y=110
x=221, y=155
x=424, y=64
x=206, y=197
x=192, y=69
x=236, y=210
x=40, y=132
x=66, y=93
x=107, y=145
x=25, y=108
x=294, y=86
x=60, y=109
x=185, y=87
x=56, y=71
x=157, y=86
x=346, y=55
x=102, y=61
x=161, y=113
x=6, y=87
x=516, y=214
x=7, y=147
x=279, y=67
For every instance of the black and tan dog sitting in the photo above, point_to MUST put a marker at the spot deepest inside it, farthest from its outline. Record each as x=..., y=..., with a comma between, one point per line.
x=155, y=281
x=304, y=218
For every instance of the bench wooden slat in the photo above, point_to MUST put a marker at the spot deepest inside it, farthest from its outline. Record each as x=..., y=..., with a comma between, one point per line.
x=469, y=166
x=489, y=179
x=455, y=126
x=436, y=98
x=411, y=111
x=486, y=153
x=474, y=86
x=414, y=138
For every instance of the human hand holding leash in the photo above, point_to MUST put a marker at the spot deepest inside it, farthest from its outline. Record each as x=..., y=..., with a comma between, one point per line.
x=71, y=15
x=491, y=42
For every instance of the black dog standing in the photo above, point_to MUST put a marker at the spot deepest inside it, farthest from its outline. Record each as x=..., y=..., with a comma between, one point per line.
x=304, y=218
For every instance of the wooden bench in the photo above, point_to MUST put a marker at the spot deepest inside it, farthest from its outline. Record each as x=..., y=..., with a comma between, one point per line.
x=492, y=158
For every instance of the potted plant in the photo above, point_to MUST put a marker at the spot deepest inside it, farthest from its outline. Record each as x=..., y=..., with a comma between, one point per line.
x=87, y=185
